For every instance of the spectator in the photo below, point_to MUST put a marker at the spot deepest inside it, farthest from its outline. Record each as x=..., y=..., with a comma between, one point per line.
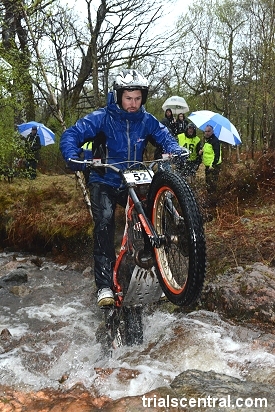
x=125, y=126
x=212, y=159
x=182, y=123
x=170, y=122
x=32, y=152
x=192, y=142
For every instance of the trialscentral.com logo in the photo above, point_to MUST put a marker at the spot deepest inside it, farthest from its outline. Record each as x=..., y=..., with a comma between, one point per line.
x=205, y=402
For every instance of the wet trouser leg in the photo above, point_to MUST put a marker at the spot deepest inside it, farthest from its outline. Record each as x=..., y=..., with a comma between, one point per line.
x=211, y=180
x=103, y=202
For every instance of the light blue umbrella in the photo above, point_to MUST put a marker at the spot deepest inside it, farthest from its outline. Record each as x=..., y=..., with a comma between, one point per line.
x=223, y=128
x=45, y=134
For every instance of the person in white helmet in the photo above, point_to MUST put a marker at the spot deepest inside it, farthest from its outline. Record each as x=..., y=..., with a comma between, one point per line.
x=120, y=132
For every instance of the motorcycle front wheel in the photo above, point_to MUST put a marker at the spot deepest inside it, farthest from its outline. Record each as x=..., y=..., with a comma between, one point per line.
x=181, y=258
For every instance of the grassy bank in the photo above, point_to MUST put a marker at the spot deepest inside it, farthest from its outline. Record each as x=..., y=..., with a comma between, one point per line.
x=45, y=215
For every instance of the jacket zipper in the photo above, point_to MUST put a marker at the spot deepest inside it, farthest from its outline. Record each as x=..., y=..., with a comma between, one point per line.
x=129, y=142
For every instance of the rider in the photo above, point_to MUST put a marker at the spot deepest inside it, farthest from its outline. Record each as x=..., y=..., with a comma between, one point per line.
x=121, y=131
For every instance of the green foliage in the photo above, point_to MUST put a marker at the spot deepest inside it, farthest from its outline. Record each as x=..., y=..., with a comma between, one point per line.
x=153, y=106
x=11, y=149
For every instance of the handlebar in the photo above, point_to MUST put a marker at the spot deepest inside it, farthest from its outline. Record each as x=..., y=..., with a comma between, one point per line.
x=95, y=163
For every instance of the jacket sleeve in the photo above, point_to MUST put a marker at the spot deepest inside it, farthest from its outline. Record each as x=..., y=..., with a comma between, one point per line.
x=163, y=137
x=85, y=129
x=198, y=149
x=216, y=149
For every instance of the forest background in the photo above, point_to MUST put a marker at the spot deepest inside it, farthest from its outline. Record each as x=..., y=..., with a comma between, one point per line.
x=58, y=62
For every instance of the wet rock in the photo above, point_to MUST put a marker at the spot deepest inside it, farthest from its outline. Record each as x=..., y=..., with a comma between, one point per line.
x=5, y=334
x=243, y=293
x=19, y=290
x=8, y=266
x=63, y=378
x=124, y=374
x=87, y=272
x=37, y=261
x=193, y=383
x=190, y=390
x=16, y=276
x=76, y=400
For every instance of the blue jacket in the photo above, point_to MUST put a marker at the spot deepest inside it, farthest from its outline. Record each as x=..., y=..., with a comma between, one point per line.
x=126, y=136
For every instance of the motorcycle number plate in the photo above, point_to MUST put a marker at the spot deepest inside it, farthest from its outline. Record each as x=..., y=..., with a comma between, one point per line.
x=139, y=177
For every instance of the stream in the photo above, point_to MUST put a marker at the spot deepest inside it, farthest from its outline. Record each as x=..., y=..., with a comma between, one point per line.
x=48, y=323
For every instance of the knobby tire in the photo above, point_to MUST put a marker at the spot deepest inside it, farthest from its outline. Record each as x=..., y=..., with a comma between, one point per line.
x=123, y=326
x=133, y=331
x=181, y=260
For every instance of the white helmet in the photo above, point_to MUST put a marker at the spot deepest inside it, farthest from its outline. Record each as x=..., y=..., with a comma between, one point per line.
x=130, y=79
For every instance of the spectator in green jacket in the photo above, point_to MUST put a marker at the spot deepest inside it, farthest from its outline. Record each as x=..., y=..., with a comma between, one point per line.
x=212, y=159
x=192, y=142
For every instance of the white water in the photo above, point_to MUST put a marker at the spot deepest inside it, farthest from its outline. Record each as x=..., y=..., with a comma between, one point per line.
x=60, y=340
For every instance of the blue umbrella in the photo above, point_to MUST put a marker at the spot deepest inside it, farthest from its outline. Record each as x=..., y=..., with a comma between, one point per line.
x=45, y=134
x=223, y=128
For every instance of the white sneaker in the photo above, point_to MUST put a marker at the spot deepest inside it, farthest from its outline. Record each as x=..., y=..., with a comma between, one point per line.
x=163, y=297
x=105, y=297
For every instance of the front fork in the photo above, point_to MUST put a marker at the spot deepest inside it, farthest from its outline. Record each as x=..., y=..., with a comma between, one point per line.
x=154, y=239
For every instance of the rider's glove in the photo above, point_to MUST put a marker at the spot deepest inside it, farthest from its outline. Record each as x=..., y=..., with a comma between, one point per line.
x=184, y=153
x=74, y=166
x=182, y=157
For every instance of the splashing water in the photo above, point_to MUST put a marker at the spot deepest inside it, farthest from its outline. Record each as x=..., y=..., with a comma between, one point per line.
x=53, y=323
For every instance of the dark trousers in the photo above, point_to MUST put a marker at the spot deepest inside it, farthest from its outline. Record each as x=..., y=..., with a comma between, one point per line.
x=211, y=180
x=104, y=199
x=32, y=166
